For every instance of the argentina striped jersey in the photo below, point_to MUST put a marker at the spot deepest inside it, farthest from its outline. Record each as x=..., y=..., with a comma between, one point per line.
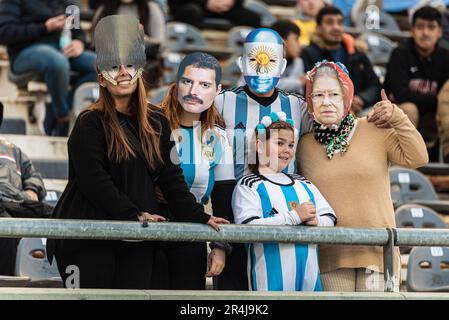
x=269, y=200
x=242, y=113
x=203, y=160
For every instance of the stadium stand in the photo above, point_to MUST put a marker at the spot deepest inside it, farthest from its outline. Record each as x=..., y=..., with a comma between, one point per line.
x=32, y=264
x=416, y=216
x=428, y=269
x=13, y=126
x=267, y=18
x=408, y=185
x=379, y=47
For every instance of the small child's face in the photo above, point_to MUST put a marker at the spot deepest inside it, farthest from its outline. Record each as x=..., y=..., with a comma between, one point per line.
x=278, y=151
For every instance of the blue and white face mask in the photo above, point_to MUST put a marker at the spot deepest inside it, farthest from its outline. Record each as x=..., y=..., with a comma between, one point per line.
x=263, y=61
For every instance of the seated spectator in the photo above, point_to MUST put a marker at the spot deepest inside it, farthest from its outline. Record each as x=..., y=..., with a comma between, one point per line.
x=443, y=133
x=194, y=11
x=293, y=78
x=330, y=43
x=21, y=193
x=416, y=73
x=33, y=33
x=305, y=18
x=439, y=5
x=152, y=18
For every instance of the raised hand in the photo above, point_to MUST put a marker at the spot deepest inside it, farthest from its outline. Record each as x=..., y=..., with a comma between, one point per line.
x=382, y=112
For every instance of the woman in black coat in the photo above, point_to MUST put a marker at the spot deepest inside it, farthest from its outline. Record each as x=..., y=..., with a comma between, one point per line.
x=117, y=149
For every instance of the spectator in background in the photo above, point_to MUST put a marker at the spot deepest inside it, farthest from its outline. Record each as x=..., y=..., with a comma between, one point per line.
x=33, y=33
x=440, y=6
x=21, y=193
x=152, y=18
x=305, y=18
x=416, y=73
x=194, y=11
x=330, y=43
x=293, y=79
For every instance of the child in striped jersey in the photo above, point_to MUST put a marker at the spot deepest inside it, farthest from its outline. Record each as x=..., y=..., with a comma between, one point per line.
x=269, y=196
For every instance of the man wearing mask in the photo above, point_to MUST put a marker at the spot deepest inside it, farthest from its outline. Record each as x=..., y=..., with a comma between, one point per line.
x=243, y=108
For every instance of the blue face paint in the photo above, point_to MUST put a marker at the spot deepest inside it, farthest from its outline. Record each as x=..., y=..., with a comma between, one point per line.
x=261, y=84
x=263, y=60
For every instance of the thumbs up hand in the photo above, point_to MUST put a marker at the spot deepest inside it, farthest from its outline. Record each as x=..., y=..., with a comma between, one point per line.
x=382, y=112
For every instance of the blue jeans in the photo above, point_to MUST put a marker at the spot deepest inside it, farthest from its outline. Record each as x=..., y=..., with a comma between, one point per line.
x=47, y=60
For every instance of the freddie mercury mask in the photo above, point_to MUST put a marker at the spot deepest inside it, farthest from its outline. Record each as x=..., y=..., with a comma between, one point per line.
x=198, y=82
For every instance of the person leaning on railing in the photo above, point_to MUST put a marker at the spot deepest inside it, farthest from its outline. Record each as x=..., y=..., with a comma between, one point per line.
x=347, y=158
x=117, y=149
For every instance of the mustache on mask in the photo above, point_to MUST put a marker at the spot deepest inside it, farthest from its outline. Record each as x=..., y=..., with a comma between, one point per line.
x=192, y=98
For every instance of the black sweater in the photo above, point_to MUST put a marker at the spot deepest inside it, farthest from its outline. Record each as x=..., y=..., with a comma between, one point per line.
x=99, y=188
x=22, y=23
x=411, y=78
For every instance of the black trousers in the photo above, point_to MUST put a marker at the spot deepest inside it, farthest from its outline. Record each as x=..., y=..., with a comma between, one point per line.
x=112, y=265
x=234, y=275
x=8, y=252
x=194, y=14
x=187, y=265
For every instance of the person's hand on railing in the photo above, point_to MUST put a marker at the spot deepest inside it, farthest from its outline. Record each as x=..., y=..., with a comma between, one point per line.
x=145, y=217
x=215, y=262
x=307, y=213
x=214, y=222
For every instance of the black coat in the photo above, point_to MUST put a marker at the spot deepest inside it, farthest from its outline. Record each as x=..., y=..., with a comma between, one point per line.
x=361, y=72
x=99, y=188
x=22, y=23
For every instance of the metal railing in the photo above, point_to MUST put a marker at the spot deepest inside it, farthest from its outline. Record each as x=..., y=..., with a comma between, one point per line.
x=171, y=231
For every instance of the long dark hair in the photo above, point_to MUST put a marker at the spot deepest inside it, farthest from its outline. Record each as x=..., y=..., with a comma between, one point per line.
x=278, y=125
x=119, y=148
x=111, y=7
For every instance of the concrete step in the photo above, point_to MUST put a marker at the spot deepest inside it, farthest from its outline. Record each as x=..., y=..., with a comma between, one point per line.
x=102, y=294
x=40, y=147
